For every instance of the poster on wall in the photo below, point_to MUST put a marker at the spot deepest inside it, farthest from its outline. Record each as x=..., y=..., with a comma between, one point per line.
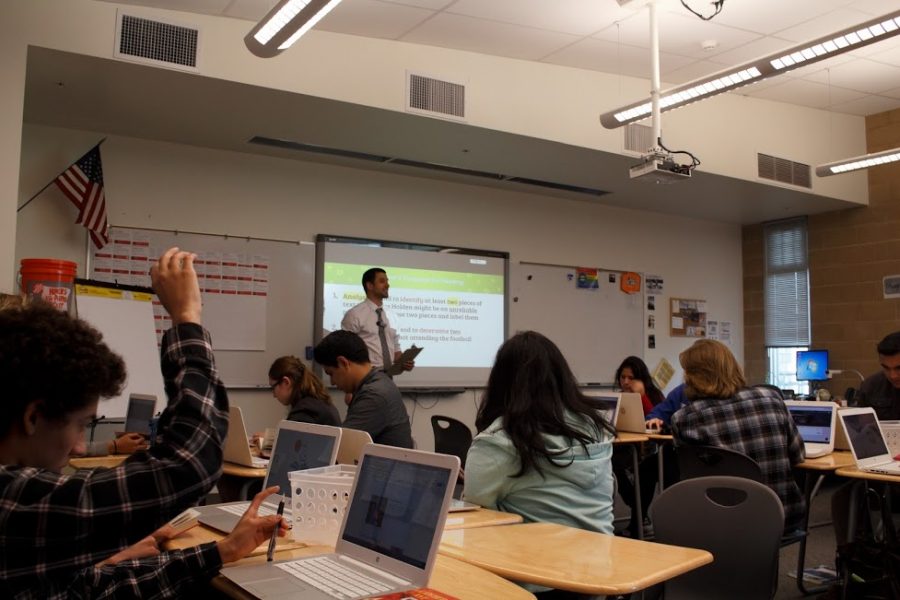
x=688, y=318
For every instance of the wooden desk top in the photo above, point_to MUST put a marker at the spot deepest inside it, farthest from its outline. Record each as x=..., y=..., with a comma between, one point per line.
x=829, y=462
x=482, y=517
x=855, y=473
x=625, y=437
x=92, y=462
x=236, y=470
x=661, y=437
x=450, y=576
x=571, y=559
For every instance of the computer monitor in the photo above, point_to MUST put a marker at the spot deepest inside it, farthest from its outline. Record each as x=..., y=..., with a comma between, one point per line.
x=812, y=365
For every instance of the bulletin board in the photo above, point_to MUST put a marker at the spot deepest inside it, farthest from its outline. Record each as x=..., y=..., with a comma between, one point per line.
x=595, y=327
x=687, y=317
x=249, y=330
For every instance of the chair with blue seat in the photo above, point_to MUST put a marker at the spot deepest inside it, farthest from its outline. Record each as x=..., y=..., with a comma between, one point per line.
x=738, y=520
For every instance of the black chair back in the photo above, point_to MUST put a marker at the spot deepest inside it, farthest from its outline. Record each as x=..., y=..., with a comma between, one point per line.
x=451, y=437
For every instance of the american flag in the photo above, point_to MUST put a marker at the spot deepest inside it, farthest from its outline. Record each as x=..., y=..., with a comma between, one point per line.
x=82, y=183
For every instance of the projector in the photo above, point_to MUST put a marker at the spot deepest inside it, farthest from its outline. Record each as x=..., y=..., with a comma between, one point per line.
x=660, y=168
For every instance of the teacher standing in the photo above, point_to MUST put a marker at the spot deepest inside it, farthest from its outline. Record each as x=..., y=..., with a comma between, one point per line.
x=369, y=320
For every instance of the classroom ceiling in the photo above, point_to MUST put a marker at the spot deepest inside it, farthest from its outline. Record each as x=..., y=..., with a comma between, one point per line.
x=603, y=36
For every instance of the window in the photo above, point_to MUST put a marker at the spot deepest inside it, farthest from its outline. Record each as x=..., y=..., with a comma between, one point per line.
x=786, y=300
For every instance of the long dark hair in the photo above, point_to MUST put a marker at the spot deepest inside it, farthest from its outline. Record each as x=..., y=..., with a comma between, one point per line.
x=641, y=372
x=532, y=387
x=303, y=381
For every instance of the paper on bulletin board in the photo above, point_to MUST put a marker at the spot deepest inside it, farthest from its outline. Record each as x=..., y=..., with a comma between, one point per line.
x=235, y=322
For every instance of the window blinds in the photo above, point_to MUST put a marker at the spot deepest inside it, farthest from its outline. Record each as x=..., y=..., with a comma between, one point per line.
x=787, y=284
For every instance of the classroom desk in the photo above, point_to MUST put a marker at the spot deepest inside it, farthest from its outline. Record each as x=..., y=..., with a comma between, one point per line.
x=571, y=559
x=812, y=469
x=482, y=517
x=633, y=441
x=92, y=462
x=246, y=476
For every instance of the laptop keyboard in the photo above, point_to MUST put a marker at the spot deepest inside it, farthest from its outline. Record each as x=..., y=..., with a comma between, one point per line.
x=333, y=578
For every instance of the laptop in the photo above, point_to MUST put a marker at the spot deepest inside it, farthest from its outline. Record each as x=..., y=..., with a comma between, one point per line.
x=297, y=446
x=631, y=414
x=140, y=411
x=607, y=403
x=867, y=441
x=388, y=540
x=237, y=448
x=352, y=443
x=816, y=423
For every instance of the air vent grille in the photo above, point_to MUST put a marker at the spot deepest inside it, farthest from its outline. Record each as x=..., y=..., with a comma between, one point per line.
x=784, y=170
x=638, y=138
x=441, y=98
x=159, y=42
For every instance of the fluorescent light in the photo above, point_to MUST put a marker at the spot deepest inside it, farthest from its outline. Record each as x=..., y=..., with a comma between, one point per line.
x=858, y=162
x=801, y=55
x=284, y=25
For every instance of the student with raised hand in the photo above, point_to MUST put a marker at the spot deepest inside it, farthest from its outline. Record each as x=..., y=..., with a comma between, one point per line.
x=297, y=387
x=542, y=450
x=54, y=528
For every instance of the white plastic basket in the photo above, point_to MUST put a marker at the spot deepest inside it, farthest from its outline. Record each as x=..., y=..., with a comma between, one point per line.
x=319, y=498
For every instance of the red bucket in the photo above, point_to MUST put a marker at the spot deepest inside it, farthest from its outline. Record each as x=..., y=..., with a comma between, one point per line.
x=50, y=280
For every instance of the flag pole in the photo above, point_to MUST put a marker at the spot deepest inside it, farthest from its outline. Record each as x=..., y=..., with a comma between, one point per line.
x=52, y=181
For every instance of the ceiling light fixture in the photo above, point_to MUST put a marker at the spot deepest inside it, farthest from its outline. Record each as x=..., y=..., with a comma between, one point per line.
x=284, y=25
x=801, y=55
x=858, y=162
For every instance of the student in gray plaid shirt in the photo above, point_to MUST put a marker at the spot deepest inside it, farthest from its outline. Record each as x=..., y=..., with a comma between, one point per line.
x=96, y=533
x=723, y=412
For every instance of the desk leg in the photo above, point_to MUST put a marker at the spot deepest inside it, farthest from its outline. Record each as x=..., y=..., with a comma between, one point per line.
x=637, y=490
x=661, y=482
x=809, y=478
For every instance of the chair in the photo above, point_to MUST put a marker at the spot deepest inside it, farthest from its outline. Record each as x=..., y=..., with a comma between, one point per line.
x=738, y=520
x=703, y=461
x=451, y=437
x=352, y=442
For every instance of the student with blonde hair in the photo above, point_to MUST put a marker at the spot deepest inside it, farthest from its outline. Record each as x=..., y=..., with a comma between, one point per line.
x=722, y=411
x=296, y=386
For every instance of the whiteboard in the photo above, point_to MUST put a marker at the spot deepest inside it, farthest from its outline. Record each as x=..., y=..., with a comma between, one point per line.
x=595, y=329
x=128, y=329
x=278, y=324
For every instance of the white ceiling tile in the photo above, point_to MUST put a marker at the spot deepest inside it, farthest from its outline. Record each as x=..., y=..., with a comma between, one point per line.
x=431, y=4
x=824, y=24
x=770, y=16
x=868, y=105
x=373, y=19
x=859, y=74
x=821, y=71
x=751, y=51
x=894, y=93
x=691, y=71
x=876, y=8
x=206, y=7
x=577, y=17
x=889, y=55
x=806, y=93
x=251, y=10
x=500, y=39
x=600, y=55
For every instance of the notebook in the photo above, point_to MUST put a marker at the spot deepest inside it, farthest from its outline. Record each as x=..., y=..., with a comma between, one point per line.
x=867, y=441
x=815, y=422
x=631, y=414
x=237, y=448
x=607, y=403
x=139, y=413
x=389, y=536
x=297, y=446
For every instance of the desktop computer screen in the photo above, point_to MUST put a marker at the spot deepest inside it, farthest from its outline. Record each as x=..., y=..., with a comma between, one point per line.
x=812, y=365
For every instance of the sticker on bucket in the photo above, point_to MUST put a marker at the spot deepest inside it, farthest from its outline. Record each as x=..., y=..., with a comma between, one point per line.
x=50, y=280
x=52, y=292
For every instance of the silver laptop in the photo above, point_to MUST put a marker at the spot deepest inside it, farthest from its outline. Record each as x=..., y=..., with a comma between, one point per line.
x=298, y=446
x=607, y=403
x=631, y=414
x=237, y=448
x=867, y=441
x=140, y=411
x=815, y=422
x=388, y=540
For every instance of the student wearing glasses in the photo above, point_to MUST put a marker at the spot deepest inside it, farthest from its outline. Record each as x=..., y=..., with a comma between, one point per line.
x=295, y=385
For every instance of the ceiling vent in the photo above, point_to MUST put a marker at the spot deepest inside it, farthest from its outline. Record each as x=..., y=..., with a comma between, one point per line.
x=435, y=98
x=784, y=170
x=156, y=42
x=639, y=138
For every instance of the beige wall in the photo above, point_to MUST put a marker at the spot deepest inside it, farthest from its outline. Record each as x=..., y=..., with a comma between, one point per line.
x=850, y=251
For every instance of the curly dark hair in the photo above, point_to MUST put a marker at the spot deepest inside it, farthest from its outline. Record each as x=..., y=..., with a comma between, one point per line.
x=532, y=387
x=61, y=361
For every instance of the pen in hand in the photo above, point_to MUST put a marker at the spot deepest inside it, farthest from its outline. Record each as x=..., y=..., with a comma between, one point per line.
x=271, y=551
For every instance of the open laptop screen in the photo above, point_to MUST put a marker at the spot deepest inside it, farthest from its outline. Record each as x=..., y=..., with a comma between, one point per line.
x=813, y=423
x=139, y=413
x=396, y=508
x=295, y=451
x=864, y=435
x=607, y=406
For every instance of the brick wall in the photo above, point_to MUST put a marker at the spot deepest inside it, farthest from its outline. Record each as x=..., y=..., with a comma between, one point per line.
x=850, y=251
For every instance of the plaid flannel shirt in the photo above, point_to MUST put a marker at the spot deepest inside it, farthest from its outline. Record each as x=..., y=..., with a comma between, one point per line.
x=54, y=528
x=756, y=423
